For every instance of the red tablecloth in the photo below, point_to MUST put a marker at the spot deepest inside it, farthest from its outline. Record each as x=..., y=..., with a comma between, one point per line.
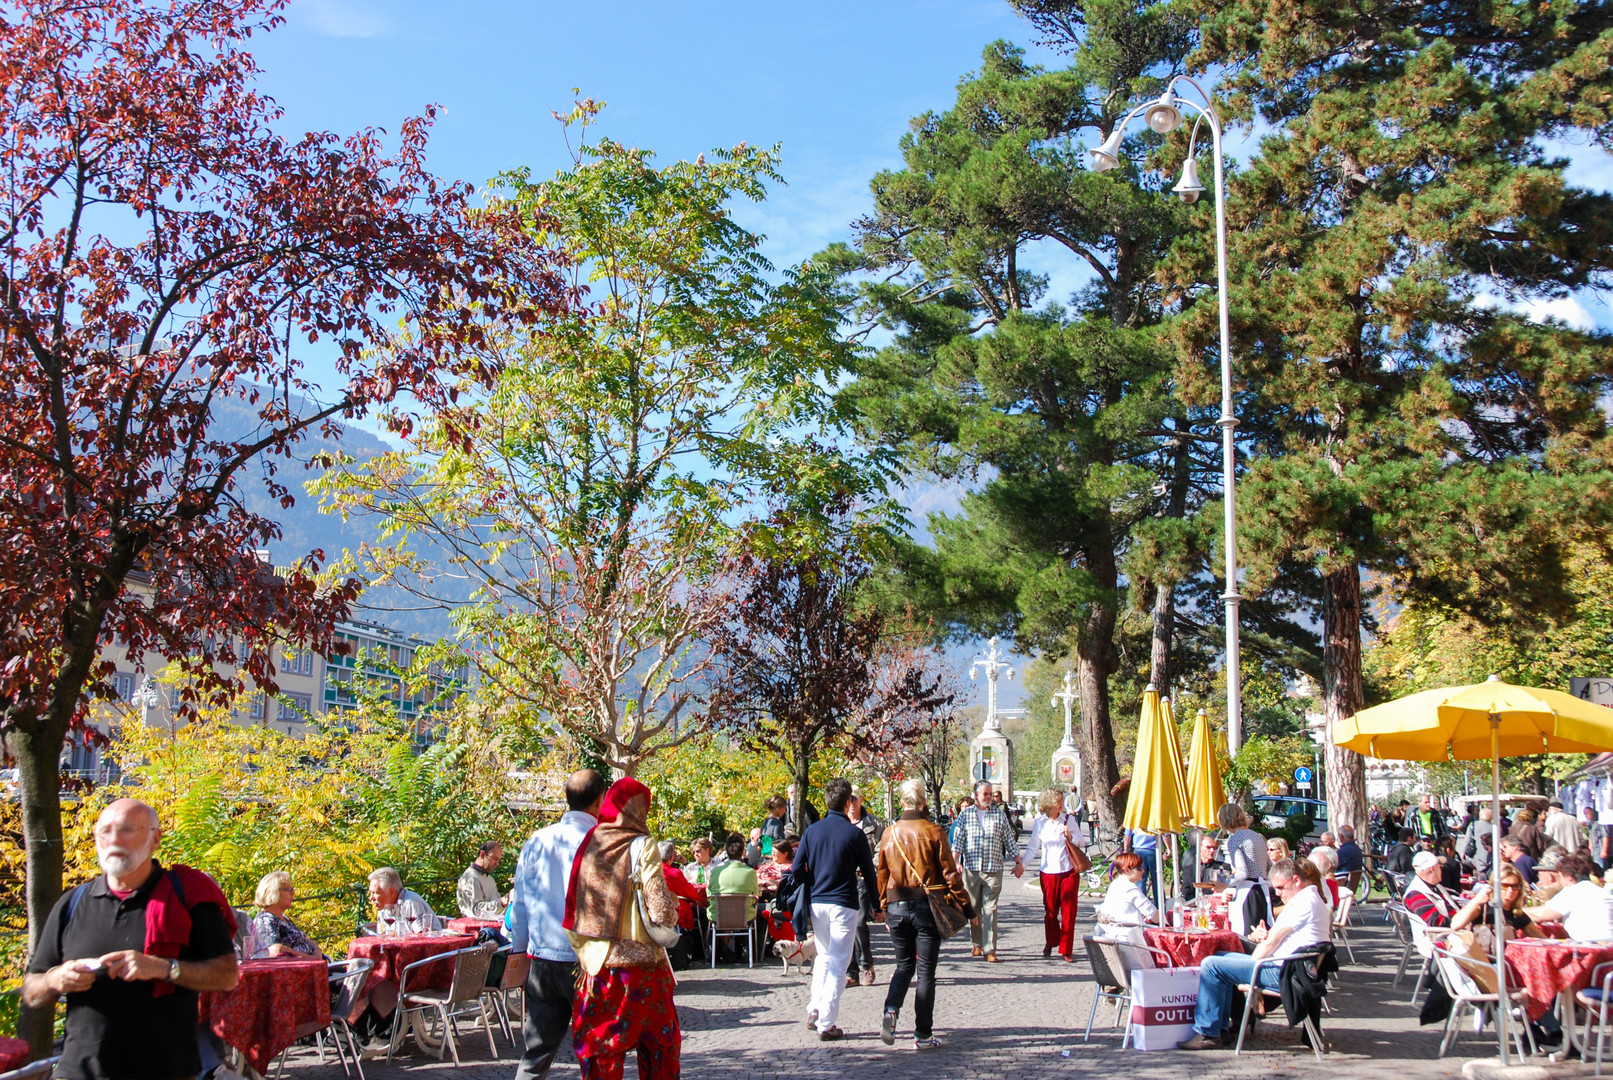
x=463, y=925
x=13, y=1053
x=1548, y=968
x=275, y=1003
x=392, y=954
x=1189, y=948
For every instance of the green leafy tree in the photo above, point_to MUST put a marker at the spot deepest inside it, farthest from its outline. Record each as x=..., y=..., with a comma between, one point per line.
x=1408, y=418
x=590, y=496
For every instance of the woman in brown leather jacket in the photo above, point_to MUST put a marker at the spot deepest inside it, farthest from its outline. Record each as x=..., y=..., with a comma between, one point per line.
x=913, y=855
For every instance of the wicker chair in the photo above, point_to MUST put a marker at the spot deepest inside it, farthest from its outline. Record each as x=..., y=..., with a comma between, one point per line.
x=730, y=918
x=462, y=998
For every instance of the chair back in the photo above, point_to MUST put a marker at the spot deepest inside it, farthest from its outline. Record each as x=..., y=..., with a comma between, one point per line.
x=729, y=911
x=367, y=929
x=352, y=975
x=1457, y=980
x=39, y=1070
x=470, y=972
x=515, y=971
x=1401, y=919
x=1341, y=914
x=1108, y=966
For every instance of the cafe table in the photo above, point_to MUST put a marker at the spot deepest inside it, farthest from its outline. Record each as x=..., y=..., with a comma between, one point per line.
x=13, y=1053
x=391, y=955
x=1191, y=947
x=467, y=925
x=275, y=1002
x=1549, y=968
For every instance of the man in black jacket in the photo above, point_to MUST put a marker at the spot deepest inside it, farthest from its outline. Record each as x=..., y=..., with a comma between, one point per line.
x=832, y=853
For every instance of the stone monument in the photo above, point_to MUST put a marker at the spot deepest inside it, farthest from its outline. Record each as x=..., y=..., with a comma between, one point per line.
x=991, y=753
x=1067, y=758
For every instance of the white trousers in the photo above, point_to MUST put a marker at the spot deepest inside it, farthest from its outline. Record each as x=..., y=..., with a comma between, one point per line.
x=835, y=928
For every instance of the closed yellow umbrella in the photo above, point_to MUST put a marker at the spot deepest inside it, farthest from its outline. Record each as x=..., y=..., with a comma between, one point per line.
x=1157, y=801
x=1491, y=719
x=1206, y=794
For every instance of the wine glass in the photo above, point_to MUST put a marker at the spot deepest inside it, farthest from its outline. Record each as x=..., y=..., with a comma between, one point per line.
x=386, y=921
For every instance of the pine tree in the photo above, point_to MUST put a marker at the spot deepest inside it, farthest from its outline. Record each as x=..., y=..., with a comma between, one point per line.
x=1411, y=419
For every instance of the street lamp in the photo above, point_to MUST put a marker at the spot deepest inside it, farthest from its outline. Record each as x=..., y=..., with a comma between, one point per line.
x=1164, y=115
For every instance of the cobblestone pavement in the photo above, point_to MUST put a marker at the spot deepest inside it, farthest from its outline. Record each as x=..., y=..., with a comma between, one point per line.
x=1018, y=1019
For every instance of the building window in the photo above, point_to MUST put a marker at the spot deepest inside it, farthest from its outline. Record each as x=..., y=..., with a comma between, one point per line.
x=297, y=662
x=123, y=685
x=296, y=706
x=256, y=706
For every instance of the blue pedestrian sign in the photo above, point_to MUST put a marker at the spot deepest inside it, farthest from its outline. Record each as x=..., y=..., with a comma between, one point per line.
x=1302, y=775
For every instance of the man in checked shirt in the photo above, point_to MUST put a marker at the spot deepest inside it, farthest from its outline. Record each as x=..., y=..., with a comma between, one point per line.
x=983, y=844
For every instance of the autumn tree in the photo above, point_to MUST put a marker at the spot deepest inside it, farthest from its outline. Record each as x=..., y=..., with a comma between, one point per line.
x=1385, y=244
x=167, y=251
x=593, y=505
x=810, y=667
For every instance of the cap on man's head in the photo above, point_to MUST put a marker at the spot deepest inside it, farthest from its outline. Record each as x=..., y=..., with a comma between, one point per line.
x=1423, y=861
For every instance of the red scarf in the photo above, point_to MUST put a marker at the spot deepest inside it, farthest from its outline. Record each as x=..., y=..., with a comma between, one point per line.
x=168, y=920
x=601, y=873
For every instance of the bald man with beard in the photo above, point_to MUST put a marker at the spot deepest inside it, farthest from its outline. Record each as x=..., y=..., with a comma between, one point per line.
x=131, y=1009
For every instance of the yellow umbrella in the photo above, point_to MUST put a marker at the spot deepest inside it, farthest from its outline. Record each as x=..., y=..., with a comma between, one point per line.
x=1205, y=791
x=1157, y=801
x=1491, y=720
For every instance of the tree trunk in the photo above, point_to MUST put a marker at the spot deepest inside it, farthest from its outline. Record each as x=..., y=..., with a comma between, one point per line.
x=1159, y=658
x=1095, y=660
x=37, y=748
x=801, y=763
x=1342, y=695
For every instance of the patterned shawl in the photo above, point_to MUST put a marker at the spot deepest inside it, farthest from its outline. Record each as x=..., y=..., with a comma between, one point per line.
x=601, y=874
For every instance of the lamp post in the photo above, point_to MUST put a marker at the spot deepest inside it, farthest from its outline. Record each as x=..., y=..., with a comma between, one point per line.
x=1164, y=115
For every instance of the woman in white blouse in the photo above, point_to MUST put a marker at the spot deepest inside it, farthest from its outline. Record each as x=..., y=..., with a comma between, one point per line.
x=1126, y=908
x=1061, y=886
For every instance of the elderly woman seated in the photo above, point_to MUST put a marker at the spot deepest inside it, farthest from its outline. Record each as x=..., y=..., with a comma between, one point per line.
x=272, y=933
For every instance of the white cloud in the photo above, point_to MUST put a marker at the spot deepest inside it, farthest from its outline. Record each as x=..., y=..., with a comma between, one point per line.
x=336, y=18
x=1565, y=309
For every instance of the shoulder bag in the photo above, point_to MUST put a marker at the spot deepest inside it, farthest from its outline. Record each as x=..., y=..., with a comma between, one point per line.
x=664, y=936
x=949, y=917
x=1079, y=862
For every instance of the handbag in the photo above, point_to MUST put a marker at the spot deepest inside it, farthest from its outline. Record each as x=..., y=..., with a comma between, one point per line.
x=663, y=935
x=949, y=918
x=1079, y=861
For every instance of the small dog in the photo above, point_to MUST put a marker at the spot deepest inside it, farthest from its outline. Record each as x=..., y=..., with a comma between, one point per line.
x=799, y=953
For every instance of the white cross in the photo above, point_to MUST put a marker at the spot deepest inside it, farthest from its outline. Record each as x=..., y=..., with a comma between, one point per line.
x=1068, y=696
x=992, y=664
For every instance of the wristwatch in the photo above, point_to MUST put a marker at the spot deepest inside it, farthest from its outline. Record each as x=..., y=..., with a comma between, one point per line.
x=173, y=971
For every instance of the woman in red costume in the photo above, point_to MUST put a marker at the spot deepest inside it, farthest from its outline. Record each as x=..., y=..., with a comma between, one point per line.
x=624, y=999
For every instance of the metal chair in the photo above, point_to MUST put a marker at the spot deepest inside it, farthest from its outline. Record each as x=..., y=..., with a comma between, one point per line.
x=1401, y=919
x=347, y=979
x=462, y=998
x=510, y=980
x=38, y=1070
x=1466, y=994
x=1341, y=922
x=1595, y=1002
x=730, y=918
x=1109, y=968
x=1253, y=987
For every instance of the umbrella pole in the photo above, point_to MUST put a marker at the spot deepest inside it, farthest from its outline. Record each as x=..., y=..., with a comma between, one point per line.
x=1503, y=1001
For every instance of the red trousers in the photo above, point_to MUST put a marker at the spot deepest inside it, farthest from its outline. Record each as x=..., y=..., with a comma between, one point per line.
x=1060, y=897
x=622, y=1009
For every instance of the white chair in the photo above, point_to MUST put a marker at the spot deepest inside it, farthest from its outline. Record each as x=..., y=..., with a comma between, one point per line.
x=1341, y=922
x=462, y=998
x=1110, y=969
x=1467, y=995
x=730, y=918
x=1401, y=919
x=1253, y=987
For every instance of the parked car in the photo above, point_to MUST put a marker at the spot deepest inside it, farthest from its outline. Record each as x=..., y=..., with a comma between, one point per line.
x=1275, y=811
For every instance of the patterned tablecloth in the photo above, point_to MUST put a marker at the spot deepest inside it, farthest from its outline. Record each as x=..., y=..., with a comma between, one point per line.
x=464, y=925
x=1190, y=948
x=1549, y=968
x=13, y=1053
x=392, y=954
x=275, y=1003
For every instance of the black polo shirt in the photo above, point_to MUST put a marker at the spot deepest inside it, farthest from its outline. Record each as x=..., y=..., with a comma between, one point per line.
x=117, y=1030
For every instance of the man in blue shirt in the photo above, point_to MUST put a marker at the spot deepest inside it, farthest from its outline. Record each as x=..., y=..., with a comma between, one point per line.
x=1146, y=848
x=535, y=920
x=832, y=853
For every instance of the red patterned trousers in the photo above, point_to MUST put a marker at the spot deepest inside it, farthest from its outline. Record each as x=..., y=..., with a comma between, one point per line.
x=622, y=1009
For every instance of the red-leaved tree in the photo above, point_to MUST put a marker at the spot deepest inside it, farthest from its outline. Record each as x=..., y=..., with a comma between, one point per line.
x=167, y=253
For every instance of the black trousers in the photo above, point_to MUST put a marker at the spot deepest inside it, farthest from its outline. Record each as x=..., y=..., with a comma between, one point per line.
x=550, y=988
x=918, y=947
x=862, y=944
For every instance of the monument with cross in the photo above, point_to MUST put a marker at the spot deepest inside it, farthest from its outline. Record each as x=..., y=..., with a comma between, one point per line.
x=1067, y=758
x=991, y=753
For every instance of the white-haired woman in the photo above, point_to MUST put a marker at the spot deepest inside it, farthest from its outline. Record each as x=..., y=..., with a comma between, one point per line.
x=914, y=858
x=272, y=933
x=1052, y=835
